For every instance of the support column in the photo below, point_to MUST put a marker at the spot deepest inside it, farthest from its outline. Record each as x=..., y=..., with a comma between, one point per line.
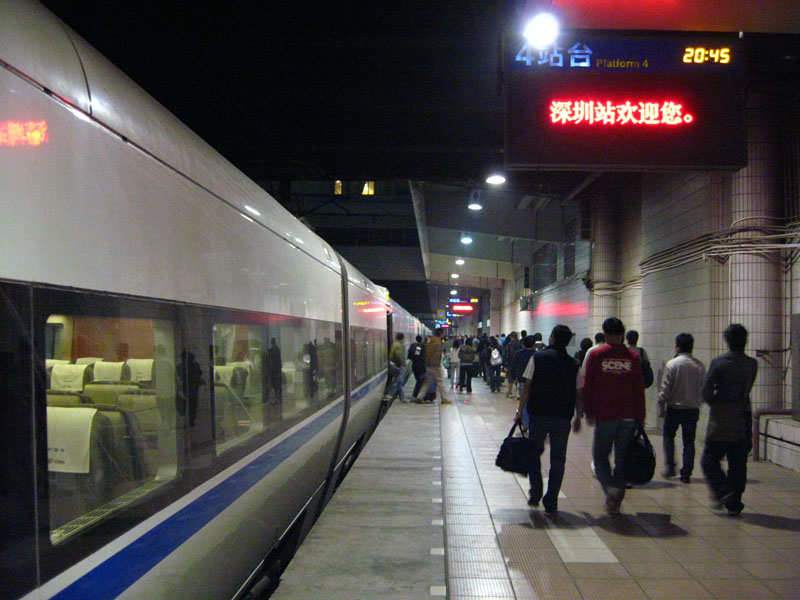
x=756, y=279
x=605, y=272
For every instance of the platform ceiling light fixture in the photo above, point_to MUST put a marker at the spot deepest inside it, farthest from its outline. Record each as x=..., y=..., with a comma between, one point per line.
x=495, y=179
x=454, y=275
x=542, y=30
x=466, y=238
x=459, y=261
x=453, y=292
x=475, y=200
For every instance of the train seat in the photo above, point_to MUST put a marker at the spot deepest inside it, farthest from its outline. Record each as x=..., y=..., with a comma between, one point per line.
x=111, y=372
x=87, y=360
x=70, y=378
x=78, y=462
x=50, y=363
x=107, y=393
x=141, y=370
x=141, y=408
x=57, y=398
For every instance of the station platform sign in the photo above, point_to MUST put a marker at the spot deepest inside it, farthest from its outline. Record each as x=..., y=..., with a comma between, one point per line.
x=626, y=101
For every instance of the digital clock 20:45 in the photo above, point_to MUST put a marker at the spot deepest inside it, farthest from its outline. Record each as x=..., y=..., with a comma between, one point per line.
x=699, y=55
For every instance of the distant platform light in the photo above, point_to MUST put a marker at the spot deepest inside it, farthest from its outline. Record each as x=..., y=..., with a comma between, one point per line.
x=337, y=187
x=252, y=210
x=465, y=238
x=542, y=30
x=459, y=261
x=453, y=292
x=475, y=206
x=454, y=275
x=495, y=179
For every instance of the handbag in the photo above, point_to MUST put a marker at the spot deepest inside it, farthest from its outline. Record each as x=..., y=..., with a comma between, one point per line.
x=640, y=459
x=515, y=453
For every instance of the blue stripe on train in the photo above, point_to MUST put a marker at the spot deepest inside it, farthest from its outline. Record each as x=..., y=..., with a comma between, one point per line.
x=112, y=577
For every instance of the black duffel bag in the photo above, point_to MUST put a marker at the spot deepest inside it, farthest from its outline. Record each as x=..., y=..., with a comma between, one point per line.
x=515, y=453
x=640, y=459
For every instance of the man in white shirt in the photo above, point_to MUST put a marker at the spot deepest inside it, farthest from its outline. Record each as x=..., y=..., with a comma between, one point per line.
x=679, y=402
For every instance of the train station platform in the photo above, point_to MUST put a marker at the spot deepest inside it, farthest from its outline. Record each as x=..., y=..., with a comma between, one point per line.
x=425, y=513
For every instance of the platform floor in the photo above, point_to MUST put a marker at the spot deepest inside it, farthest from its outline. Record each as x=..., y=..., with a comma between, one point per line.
x=425, y=513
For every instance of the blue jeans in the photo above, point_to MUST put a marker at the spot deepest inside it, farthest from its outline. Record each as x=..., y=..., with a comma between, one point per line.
x=686, y=418
x=558, y=429
x=608, y=435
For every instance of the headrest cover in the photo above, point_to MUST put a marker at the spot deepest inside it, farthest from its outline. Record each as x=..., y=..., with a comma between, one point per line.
x=141, y=369
x=68, y=377
x=108, y=371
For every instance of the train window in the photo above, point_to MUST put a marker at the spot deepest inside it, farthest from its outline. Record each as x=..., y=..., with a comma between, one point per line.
x=111, y=400
x=269, y=375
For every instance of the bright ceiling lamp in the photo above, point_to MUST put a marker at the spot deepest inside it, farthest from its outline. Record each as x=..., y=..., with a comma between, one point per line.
x=454, y=275
x=453, y=292
x=495, y=179
x=474, y=205
x=542, y=30
x=466, y=238
x=459, y=261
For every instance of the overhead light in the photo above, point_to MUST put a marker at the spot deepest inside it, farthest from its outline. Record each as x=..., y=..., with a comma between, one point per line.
x=453, y=292
x=459, y=261
x=252, y=210
x=474, y=206
x=454, y=275
x=465, y=238
x=495, y=179
x=542, y=30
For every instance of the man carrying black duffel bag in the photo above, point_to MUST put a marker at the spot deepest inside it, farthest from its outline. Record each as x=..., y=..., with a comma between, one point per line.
x=549, y=397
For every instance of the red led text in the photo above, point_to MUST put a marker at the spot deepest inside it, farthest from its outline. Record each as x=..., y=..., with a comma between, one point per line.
x=15, y=133
x=596, y=112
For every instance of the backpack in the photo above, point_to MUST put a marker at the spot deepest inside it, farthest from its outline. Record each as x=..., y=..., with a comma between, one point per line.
x=647, y=370
x=496, y=359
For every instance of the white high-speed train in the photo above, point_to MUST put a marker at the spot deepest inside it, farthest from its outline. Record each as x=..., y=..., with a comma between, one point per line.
x=186, y=371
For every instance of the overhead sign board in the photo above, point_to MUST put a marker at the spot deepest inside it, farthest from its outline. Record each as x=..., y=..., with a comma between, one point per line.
x=626, y=101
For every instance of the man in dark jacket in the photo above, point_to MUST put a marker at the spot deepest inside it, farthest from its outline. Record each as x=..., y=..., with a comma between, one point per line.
x=416, y=354
x=726, y=389
x=548, y=396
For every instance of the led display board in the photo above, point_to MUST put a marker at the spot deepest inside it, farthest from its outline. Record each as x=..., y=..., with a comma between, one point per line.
x=615, y=100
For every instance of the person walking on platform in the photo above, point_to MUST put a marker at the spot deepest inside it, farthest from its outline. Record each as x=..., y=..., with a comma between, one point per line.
x=494, y=360
x=613, y=401
x=416, y=354
x=468, y=361
x=679, y=404
x=455, y=363
x=434, y=371
x=548, y=396
x=397, y=356
x=510, y=349
x=726, y=390
x=521, y=359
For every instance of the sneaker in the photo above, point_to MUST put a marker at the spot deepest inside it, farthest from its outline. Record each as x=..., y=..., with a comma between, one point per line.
x=533, y=499
x=686, y=479
x=735, y=512
x=668, y=473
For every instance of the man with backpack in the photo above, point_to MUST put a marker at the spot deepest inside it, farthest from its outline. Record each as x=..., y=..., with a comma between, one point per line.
x=416, y=354
x=632, y=337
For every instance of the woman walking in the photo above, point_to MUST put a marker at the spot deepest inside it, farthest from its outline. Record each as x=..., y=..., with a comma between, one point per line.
x=467, y=360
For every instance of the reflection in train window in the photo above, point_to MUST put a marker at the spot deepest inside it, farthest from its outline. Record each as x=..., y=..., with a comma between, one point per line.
x=111, y=394
x=269, y=375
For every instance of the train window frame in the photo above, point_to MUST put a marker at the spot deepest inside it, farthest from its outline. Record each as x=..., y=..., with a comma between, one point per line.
x=126, y=510
x=229, y=451
x=19, y=534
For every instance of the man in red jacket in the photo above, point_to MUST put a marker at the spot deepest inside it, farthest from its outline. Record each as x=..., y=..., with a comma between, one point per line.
x=613, y=401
